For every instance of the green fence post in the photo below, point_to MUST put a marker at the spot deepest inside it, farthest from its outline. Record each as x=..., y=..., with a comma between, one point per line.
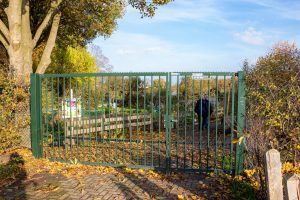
x=240, y=122
x=35, y=112
x=168, y=123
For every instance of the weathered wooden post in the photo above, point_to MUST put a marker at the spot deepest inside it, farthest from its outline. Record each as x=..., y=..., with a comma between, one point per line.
x=273, y=175
x=292, y=187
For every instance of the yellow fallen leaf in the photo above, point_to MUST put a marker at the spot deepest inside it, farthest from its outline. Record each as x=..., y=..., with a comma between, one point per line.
x=241, y=139
x=180, y=197
x=234, y=141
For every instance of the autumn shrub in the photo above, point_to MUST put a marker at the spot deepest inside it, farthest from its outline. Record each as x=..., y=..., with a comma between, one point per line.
x=273, y=96
x=14, y=103
x=290, y=168
x=273, y=107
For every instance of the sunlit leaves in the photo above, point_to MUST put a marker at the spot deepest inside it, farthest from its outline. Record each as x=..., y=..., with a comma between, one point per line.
x=147, y=8
x=273, y=94
x=72, y=60
x=290, y=168
x=14, y=101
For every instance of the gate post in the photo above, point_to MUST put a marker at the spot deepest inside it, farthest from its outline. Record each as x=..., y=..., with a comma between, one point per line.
x=35, y=115
x=239, y=159
x=168, y=124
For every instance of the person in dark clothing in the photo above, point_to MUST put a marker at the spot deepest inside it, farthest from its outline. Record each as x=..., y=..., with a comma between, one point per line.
x=203, y=111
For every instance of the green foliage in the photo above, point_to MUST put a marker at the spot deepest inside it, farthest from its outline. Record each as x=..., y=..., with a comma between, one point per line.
x=14, y=101
x=72, y=60
x=273, y=95
x=137, y=87
x=82, y=21
x=242, y=189
x=147, y=8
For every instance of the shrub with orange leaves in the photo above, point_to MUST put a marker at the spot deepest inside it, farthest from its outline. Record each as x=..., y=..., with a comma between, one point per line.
x=272, y=113
x=273, y=104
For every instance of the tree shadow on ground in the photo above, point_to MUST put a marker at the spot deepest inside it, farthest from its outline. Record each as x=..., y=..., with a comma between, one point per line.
x=12, y=174
x=148, y=187
x=128, y=192
x=15, y=183
x=188, y=185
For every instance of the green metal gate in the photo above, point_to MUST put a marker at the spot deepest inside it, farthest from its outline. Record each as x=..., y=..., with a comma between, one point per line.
x=145, y=120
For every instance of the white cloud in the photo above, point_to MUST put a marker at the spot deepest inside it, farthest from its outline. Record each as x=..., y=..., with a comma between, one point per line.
x=142, y=52
x=251, y=36
x=208, y=11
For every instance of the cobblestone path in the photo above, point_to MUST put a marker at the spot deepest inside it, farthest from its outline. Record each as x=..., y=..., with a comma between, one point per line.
x=107, y=186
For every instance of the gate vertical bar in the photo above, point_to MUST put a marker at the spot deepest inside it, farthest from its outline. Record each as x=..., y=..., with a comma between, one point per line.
x=35, y=113
x=168, y=123
x=240, y=122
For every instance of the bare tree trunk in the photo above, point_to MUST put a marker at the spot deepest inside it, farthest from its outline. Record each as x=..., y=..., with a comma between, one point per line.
x=23, y=111
x=18, y=40
x=27, y=44
x=15, y=52
x=19, y=43
x=46, y=57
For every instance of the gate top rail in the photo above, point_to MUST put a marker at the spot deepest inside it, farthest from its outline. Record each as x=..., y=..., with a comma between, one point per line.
x=136, y=74
x=206, y=73
x=105, y=74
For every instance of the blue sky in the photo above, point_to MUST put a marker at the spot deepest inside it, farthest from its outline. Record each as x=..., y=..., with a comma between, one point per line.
x=201, y=35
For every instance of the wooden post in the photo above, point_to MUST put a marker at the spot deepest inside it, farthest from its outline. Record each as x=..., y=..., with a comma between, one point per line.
x=273, y=175
x=292, y=187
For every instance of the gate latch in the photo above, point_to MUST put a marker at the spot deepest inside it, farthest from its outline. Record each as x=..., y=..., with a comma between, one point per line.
x=169, y=120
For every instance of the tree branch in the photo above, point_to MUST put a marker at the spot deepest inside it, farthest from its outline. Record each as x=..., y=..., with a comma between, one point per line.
x=4, y=30
x=46, y=60
x=4, y=42
x=44, y=24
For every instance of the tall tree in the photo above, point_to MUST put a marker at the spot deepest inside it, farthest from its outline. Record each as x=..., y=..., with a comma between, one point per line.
x=26, y=24
x=101, y=60
x=72, y=60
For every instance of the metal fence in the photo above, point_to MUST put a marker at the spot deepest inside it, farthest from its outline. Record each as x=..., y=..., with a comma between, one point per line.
x=145, y=120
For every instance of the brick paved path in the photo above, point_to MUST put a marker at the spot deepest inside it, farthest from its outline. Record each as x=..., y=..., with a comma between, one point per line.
x=107, y=186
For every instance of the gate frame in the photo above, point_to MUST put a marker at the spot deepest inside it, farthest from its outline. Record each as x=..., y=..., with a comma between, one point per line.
x=35, y=113
x=36, y=116
x=241, y=117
